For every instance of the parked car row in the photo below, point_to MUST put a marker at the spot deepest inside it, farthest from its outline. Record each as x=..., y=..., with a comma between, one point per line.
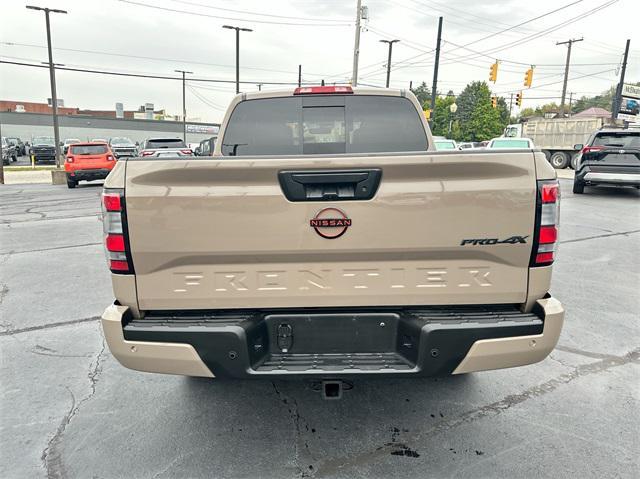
x=496, y=143
x=8, y=151
x=94, y=160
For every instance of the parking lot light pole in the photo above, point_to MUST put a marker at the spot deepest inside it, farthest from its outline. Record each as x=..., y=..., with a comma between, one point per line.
x=184, y=104
x=238, y=30
x=52, y=76
x=390, y=42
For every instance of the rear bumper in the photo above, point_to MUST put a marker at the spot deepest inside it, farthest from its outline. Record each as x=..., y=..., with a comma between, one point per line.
x=629, y=178
x=336, y=344
x=44, y=156
x=624, y=175
x=89, y=175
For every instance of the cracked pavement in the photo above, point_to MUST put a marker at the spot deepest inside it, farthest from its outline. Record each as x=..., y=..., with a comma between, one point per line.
x=70, y=410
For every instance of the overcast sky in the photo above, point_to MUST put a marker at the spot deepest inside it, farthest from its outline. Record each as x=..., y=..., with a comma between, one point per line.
x=132, y=36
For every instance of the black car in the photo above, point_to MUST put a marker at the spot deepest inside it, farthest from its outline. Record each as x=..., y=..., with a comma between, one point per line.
x=610, y=157
x=8, y=152
x=43, y=148
x=18, y=144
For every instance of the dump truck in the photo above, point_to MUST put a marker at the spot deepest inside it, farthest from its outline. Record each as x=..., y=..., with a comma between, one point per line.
x=556, y=137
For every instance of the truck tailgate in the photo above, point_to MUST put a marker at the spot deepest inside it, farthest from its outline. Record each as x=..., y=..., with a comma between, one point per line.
x=220, y=233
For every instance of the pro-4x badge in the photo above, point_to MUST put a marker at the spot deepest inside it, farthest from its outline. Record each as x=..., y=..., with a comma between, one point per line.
x=486, y=241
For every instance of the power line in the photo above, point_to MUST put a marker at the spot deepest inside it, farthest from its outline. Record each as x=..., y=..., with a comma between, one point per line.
x=196, y=4
x=561, y=81
x=524, y=23
x=138, y=75
x=145, y=57
x=176, y=10
x=522, y=40
x=537, y=35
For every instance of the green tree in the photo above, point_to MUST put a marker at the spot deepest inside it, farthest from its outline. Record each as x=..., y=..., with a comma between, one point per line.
x=442, y=115
x=540, y=110
x=478, y=120
x=423, y=93
x=503, y=108
x=602, y=100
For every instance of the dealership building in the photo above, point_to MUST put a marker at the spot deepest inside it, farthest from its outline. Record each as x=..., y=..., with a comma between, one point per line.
x=26, y=120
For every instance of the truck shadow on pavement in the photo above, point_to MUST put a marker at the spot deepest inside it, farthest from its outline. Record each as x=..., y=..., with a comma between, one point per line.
x=386, y=417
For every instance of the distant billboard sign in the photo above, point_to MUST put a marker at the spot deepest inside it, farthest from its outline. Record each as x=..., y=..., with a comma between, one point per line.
x=629, y=108
x=59, y=102
x=119, y=110
x=204, y=129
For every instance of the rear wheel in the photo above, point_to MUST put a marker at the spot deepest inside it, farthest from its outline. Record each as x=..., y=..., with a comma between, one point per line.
x=574, y=161
x=71, y=183
x=578, y=187
x=559, y=160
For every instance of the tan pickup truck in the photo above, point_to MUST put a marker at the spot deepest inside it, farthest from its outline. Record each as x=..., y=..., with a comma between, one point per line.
x=327, y=238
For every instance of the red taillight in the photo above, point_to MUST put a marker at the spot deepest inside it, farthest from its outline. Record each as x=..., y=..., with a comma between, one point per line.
x=318, y=90
x=186, y=152
x=146, y=153
x=587, y=149
x=69, y=159
x=119, y=266
x=547, y=221
x=545, y=257
x=111, y=201
x=115, y=243
x=114, y=226
x=549, y=192
x=548, y=234
x=110, y=158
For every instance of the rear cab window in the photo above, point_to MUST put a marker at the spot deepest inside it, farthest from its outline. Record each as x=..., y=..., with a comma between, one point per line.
x=164, y=143
x=622, y=139
x=89, y=149
x=510, y=144
x=324, y=124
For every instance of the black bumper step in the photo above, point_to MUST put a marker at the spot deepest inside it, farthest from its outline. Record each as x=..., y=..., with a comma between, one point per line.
x=335, y=362
x=334, y=342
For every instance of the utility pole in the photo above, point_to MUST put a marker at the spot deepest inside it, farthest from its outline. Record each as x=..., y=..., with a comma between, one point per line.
x=566, y=70
x=356, y=45
x=299, y=75
x=410, y=85
x=618, y=96
x=184, y=104
x=510, y=105
x=390, y=42
x=52, y=78
x=238, y=30
x=435, y=73
x=570, y=103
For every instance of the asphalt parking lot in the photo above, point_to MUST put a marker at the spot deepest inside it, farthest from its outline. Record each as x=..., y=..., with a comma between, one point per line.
x=70, y=410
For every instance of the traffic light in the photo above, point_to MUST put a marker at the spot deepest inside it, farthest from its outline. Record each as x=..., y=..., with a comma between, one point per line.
x=494, y=101
x=519, y=98
x=528, y=78
x=427, y=114
x=493, y=72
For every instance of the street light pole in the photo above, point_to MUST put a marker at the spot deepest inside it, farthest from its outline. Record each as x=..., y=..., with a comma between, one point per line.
x=238, y=30
x=52, y=77
x=390, y=42
x=184, y=104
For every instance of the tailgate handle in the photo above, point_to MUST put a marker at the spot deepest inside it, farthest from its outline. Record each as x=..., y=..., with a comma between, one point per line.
x=330, y=185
